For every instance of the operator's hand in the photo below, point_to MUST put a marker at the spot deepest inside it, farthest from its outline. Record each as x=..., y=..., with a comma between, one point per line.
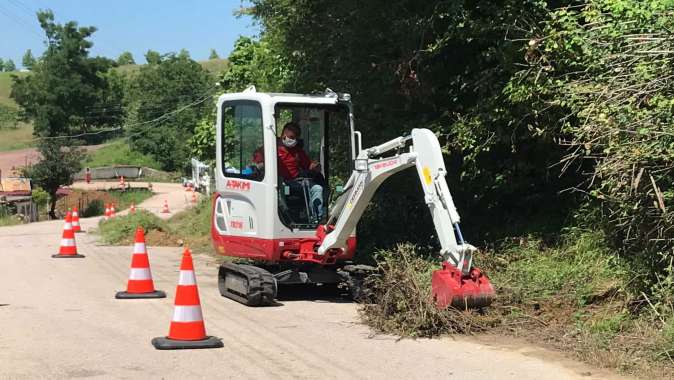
x=315, y=166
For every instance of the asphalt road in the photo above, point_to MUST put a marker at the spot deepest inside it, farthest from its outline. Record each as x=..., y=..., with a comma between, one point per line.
x=59, y=319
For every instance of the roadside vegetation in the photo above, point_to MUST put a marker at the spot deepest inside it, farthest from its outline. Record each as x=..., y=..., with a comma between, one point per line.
x=7, y=218
x=190, y=227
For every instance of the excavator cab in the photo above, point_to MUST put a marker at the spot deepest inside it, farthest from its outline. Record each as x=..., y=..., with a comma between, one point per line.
x=259, y=213
x=291, y=206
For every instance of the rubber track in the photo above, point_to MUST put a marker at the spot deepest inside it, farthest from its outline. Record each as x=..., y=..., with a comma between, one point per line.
x=261, y=284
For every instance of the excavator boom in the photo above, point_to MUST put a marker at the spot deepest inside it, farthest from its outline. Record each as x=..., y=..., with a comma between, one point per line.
x=458, y=283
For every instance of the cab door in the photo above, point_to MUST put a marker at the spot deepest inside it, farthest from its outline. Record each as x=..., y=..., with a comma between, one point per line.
x=242, y=190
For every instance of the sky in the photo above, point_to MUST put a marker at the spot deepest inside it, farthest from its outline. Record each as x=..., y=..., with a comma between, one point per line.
x=129, y=25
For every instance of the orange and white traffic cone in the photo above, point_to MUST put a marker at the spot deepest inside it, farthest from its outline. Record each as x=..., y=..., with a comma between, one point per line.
x=140, y=283
x=132, y=209
x=68, y=247
x=187, y=328
x=112, y=210
x=106, y=216
x=76, y=221
x=165, y=208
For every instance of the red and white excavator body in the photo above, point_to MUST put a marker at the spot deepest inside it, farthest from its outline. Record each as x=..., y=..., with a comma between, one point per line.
x=257, y=215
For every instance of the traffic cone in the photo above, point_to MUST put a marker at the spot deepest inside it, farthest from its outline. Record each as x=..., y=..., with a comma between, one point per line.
x=68, y=246
x=132, y=209
x=122, y=185
x=140, y=283
x=76, y=221
x=187, y=326
x=165, y=209
x=106, y=216
x=112, y=210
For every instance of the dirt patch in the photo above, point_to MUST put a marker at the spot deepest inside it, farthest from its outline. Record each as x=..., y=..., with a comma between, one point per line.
x=161, y=239
x=81, y=199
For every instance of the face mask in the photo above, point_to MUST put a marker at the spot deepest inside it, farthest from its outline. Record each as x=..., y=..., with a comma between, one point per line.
x=289, y=142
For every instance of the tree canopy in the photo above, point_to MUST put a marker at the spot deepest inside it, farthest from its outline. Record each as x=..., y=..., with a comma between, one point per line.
x=28, y=60
x=167, y=100
x=126, y=58
x=57, y=167
x=68, y=92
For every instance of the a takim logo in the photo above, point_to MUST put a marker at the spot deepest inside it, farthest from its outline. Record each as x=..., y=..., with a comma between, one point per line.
x=234, y=184
x=385, y=164
x=235, y=224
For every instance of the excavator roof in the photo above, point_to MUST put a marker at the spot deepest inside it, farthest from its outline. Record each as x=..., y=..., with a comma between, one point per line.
x=327, y=97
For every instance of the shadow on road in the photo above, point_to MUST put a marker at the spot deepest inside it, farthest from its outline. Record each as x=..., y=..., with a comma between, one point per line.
x=316, y=293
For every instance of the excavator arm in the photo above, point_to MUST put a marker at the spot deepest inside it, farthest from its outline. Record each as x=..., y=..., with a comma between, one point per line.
x=458, y=283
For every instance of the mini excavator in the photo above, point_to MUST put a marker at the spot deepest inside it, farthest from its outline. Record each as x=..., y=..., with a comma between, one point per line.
x=260, y=216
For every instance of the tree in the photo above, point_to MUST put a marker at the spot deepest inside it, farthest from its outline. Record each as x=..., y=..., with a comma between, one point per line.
x=56, y=168
x=28, y=60
x=65, y=93
x=441, y=65
x=213, y=55
x=125, y=58
x=253, y=62
x=2, y=65
x=152, y=57
x=184, y=53
x=9, y=65
x=178, y=86
x=202, y=143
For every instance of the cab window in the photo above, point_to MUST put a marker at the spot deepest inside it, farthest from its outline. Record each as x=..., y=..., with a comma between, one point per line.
x=242, y=140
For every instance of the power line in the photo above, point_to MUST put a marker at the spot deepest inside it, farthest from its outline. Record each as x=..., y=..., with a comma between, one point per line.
x=148, y=122
x=20, y=22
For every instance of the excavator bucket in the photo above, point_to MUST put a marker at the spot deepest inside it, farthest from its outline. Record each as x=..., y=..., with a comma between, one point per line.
x=451, y=287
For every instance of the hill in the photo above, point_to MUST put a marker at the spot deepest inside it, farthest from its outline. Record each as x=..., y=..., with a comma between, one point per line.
x=212, y=65
x=6, y=88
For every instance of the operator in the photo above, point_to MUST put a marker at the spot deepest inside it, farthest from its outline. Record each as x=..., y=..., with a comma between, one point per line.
x=293, y=163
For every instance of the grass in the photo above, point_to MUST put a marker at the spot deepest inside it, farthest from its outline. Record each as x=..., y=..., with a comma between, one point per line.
x=190, y=227
x=120, y=230
x=6, y=88
x=580, y=269
x=215, y=66
x=16, y=138
x=193, y=226
x=118, y=152
x=9, y=220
